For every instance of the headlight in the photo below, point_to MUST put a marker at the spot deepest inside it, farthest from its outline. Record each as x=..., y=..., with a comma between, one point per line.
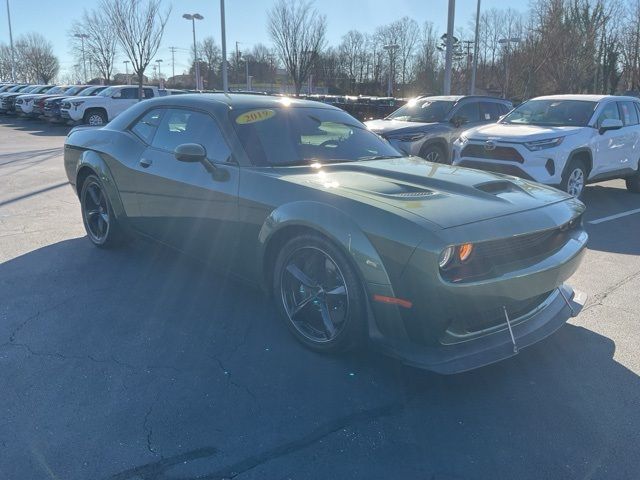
x=462, y=138
x=543, y=144
x=446, y=256
x=407, y=137
x=77, y=103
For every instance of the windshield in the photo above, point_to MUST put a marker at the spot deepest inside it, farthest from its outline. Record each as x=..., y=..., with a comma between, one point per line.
x=424, y=110
x=93, y=91
x=22, y=88
x=107, y=92
x=56, y=90
x=75, y=90
x=295, y=136
x=574, y=113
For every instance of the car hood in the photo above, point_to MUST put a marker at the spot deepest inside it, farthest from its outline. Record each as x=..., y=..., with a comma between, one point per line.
x=441, y=194
x=388, y=126
x=505, y=132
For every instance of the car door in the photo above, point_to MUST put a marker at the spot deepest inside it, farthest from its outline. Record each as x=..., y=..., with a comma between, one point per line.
x=187, y=205
x=611, y=145
x=122, y=99
x=631, y=136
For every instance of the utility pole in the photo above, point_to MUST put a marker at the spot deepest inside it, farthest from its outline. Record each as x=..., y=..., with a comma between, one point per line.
x=126, y=70
x=173, y=61
x=448, y=58
x=390, y=48
x=225, y=82
x=13, y=56
x=468, y=44
x=237, y=63
x=475, y=52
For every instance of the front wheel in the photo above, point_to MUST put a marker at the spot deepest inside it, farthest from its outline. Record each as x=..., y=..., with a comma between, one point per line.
x=95, y=118
x=574, y=178
x=97, y=214
x=319, y=294
x=434, y=153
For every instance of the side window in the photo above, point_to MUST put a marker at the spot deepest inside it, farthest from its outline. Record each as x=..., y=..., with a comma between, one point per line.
x=469, y=111
x=147, y=93
x=129, y=93
x=180, y=126
x=489, y=111
x=610, y=111
x=629, y=113
x=147, y=125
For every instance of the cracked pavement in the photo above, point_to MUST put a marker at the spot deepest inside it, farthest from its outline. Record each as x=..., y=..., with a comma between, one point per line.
x=142, y=364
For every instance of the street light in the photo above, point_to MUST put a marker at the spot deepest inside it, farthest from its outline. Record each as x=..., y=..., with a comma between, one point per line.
x=159, y=61
x=223, y=34
x=82, y=36
x=13, y=56
x=193, y=17
x=506, y=44
x=390, y=48
x=475, y=51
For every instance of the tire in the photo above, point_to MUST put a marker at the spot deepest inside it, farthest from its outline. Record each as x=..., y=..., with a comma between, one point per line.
x=98, y=218
x=434, y=153
x=95, y=117
x=633, y=182
x=309, y=272
x=574, y=178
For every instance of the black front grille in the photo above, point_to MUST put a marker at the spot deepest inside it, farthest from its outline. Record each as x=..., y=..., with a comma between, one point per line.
x=489, y=256
x=497, y=153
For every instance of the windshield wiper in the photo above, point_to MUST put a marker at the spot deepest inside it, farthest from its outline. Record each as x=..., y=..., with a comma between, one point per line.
x=379, y=157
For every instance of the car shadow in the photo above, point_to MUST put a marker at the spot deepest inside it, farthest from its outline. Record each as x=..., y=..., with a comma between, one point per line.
x=36, y=127
x=615, y=235
x=154, y=366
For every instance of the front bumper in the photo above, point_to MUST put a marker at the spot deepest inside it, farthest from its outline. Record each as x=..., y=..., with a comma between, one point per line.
x=495, y=346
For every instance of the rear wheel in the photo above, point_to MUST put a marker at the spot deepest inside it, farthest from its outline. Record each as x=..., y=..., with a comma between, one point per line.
x=434, y=153
x=97, y=214
x=95, y=117
x=574, y=178
x=319, y=294
x=633, y=182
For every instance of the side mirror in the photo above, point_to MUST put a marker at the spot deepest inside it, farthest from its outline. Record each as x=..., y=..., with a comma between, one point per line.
x=190, y=152
x=610, y=124
x=458, y=121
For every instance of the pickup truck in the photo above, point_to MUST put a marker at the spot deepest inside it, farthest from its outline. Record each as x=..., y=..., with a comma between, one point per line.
x=106, y=105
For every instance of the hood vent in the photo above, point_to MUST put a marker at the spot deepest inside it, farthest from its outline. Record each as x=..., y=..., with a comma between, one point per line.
x=498, y=187
x=414, y=194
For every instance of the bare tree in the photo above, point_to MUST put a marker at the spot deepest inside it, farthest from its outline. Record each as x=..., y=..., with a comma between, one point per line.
x=298, y=32
x=139, y=29
x=34, y=55
x=5, y=62
x=100, y=43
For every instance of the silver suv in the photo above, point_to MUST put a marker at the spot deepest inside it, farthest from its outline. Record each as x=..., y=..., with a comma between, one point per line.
x=428, y=126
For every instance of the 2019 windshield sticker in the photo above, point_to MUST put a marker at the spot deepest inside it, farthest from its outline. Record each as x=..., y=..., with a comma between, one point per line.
x=255, y=116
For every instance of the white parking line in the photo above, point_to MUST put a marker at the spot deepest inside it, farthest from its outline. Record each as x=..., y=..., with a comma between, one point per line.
x=613, y=217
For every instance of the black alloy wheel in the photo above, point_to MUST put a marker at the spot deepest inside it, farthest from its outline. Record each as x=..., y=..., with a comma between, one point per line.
x=319, y=294
x=97, y=214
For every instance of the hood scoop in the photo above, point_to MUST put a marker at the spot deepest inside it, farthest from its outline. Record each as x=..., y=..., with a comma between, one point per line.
x=413, y=194
x=499, y=187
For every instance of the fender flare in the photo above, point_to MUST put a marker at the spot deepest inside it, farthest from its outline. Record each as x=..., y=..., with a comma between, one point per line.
x=333, y=224
x=440, y=142
x=92, y=160
x=578, y=151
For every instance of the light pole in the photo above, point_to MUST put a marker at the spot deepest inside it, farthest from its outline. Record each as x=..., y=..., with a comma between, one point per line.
x=193, y=17
x=237, y=63
x=126, y=69
x=390, y=48
x=475, y=52
x=159, y=61
x=82, y=36
x=506, y=44
x=13, y=57
x=223, y=33
x=448, y=56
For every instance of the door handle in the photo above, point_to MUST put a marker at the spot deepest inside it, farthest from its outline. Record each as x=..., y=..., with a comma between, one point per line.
x=145, y=163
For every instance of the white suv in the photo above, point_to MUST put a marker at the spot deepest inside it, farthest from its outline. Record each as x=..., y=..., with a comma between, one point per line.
x=562, y=140
x=105, y=106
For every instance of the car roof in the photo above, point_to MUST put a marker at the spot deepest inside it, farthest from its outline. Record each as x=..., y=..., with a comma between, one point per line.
x=585, y=97
x=239, y=100
x=457, y=98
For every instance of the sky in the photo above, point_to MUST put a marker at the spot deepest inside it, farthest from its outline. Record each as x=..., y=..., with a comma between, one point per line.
x=246, y=21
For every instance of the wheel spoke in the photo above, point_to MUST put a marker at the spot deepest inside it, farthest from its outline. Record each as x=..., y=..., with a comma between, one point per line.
x=94, y=197
x=104, y=217
x=93, y=213
x=341, y=290
x=327, y=322
x=301, y=276
x=302, y=304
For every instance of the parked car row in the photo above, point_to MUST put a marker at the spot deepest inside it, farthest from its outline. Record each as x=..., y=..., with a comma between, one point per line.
x=77, y=104
x=565, y=141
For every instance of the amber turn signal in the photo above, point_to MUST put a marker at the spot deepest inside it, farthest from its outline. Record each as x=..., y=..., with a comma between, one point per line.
x=464, y=251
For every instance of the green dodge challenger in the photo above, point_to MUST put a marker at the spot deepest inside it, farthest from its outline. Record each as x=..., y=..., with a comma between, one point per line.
x=445, y=268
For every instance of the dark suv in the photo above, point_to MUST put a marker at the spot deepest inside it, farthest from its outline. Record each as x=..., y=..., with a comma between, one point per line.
x=428, y=126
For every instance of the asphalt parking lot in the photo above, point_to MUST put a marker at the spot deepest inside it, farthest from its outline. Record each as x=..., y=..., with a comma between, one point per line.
x=142, y=364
